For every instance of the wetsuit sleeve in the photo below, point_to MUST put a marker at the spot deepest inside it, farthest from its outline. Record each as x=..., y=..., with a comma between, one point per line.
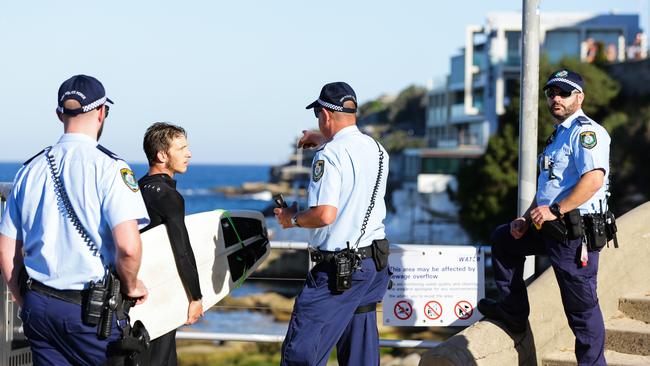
x=174, y=207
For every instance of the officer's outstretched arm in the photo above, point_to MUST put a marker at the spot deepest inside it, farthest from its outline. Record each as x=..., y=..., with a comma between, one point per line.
x=11, y=263
x=317, y=216
x=129, y=255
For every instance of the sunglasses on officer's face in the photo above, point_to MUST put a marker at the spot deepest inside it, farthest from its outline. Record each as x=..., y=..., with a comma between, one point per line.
x=317, y=111
x=551, y=93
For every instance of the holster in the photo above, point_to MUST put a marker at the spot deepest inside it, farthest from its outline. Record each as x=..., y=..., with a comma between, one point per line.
x=595, y=231
x=573, y=221
x=380, y=252
x=555, y=230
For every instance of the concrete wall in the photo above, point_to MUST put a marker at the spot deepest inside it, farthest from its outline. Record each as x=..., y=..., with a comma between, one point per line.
x=622, y=271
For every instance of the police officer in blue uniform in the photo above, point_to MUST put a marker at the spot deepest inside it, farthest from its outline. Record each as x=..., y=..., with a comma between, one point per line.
x=68, y=236
x=346, y=210
x=574, y=171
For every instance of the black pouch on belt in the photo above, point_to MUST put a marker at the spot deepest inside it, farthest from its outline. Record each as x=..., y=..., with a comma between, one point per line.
x=555, y=230
x=573, y=221
x=595, y=231
x=380, y=251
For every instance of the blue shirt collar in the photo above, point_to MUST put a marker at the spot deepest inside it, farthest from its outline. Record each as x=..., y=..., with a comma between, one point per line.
x=569, y=121
x=76, y=137
x=345, y=131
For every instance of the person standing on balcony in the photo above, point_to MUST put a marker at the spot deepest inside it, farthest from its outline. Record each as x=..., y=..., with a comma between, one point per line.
x=168, y=153
x=72, y=215
x=572, y=184
x=337, y=305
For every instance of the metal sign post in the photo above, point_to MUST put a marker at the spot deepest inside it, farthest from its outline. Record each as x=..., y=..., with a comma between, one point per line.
x=528, y=113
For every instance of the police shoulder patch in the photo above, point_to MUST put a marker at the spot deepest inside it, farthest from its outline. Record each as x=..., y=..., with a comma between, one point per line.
x=588, y=139
x=317, y=170
x=129, y=179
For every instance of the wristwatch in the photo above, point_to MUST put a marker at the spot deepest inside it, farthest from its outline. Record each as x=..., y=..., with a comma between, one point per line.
x=555, y=210
x=294, y=220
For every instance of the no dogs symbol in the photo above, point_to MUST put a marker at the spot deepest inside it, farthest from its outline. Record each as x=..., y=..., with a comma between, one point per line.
x=463, y=310
x=403, y=310
x=433, y=310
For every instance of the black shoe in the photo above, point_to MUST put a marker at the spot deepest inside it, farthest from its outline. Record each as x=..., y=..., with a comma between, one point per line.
x=492, y=310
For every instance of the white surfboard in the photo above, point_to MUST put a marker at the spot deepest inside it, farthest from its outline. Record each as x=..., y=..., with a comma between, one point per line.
x=228, y=247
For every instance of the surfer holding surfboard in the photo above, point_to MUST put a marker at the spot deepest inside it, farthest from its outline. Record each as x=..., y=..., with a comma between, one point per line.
x=168, y=153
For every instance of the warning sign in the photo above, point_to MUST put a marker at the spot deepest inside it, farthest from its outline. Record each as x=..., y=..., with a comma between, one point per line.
x=463, y=310
x=434, y=285
x=403, y=310
x=433, y=310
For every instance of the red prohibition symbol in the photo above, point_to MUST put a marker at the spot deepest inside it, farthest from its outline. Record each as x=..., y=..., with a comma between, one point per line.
x=403, y=310
x=463, y=310
x=433, y=310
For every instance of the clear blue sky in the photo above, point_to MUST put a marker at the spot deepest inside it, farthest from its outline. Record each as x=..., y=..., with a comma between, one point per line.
x=237, y=74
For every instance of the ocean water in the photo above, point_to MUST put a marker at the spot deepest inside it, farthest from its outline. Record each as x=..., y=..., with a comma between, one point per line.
x=197, y=187
x=197, y=184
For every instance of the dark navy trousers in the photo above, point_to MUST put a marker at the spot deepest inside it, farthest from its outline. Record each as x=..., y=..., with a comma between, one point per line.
x=322, y=318
x=57, y=336
x=577, y=285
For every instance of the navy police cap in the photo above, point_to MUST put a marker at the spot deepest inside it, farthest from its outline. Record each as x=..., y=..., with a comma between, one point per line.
x=566, y=80
x=333, y=95
x=86, y=90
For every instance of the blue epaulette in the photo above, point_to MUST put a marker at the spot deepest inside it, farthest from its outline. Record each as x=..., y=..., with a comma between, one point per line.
x=108, y=152
x=583, y=120
x=33, y=157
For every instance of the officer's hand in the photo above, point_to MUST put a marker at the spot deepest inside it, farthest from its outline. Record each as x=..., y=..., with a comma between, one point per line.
x=518, y=227
x=311, y=139
x=18, y=300
x=139, y=293
x=194, y=311
x=540, y=214
x=284, y=215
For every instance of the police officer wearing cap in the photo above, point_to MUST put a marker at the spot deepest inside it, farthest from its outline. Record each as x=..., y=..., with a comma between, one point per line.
x=346, y=210
x=574, y=170
x=73, y=213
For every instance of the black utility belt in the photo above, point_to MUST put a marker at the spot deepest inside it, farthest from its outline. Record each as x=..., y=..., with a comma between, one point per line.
x=597, y=229
x=318, y=256
x=71, y=296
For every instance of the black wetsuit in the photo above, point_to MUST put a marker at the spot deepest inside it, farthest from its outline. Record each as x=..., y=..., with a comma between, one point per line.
x=166, y=206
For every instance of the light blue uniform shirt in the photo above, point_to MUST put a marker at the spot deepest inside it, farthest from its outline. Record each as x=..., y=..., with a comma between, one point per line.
x=101, y=192
x=344, y=172
x=579, y=146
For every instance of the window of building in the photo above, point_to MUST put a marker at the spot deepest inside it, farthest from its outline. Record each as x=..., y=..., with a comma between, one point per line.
x=513, y=55
x=561, y=43
x=477, y=99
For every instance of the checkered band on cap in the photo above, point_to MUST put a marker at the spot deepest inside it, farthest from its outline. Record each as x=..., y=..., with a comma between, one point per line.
x=89, y=107
x=566, y=81
x=94, y=104
x=330, y=105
